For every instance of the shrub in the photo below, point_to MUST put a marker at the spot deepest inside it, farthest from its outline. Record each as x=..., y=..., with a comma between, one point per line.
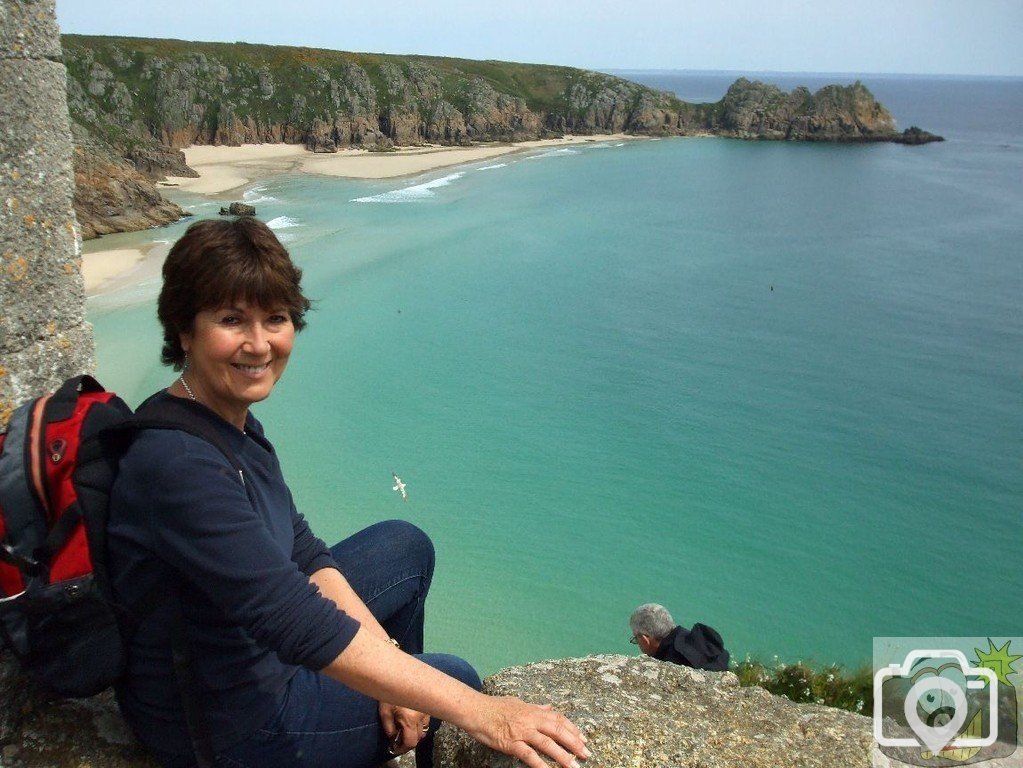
x=831, y=685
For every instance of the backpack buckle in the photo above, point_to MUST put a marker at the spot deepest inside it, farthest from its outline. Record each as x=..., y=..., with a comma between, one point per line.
x=25, y=564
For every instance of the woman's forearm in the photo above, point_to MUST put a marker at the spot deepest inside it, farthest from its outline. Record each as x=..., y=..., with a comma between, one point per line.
x=377, y=668
x=334, y=586
x=525, y=731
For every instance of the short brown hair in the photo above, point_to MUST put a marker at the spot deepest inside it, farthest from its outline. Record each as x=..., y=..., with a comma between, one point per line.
x=217, y=262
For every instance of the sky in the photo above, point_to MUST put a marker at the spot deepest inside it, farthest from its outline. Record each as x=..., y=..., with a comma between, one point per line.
x=965, y=37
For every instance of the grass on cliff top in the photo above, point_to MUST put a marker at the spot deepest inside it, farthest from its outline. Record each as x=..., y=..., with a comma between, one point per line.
x=831, y=686
x=541, y=86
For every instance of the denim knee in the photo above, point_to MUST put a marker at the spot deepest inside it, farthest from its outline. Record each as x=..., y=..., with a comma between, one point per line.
x=417, y=545
x=454, y=666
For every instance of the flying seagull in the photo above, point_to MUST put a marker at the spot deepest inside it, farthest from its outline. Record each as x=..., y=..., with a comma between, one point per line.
x=399, y=486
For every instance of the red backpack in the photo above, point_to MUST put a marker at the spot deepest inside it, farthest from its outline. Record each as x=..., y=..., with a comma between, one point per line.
x=58, y=463
x=56, y=614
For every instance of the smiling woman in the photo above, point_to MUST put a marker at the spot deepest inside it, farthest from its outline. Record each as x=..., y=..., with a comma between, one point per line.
x=301, y=654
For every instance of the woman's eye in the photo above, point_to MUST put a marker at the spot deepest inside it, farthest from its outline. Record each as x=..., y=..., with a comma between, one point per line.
x=230, y=320
x=277, y=319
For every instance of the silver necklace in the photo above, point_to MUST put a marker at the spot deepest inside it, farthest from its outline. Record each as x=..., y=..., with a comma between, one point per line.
x=191, y=396
x=188, y=389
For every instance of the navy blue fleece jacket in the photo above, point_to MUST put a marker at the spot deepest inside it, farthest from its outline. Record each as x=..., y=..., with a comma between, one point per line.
x=243, y=555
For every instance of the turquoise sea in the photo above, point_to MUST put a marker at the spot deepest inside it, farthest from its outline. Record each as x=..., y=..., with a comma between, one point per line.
x=775, y=387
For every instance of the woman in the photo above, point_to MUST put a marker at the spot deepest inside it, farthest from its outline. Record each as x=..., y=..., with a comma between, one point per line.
x=302, y=656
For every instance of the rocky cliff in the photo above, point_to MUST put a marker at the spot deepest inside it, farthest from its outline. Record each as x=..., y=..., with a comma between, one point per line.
x=143, y=99
x=754, y=110
x=115, y=193
x=634, y=711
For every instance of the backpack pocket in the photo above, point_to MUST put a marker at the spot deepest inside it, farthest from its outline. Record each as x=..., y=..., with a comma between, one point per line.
x=66, y=636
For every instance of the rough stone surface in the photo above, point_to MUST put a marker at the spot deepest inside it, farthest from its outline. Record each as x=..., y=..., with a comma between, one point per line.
x=28, y=29
x=43, y=334
x=635, y=712
x=37, y=731
x=640, y=712
x=111, y=195
x=37, y=240
x=241, y=209
x=42, y=365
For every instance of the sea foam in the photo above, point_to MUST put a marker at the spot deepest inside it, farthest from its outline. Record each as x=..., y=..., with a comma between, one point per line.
x=255, y=196
x=553, y=153
x=415, y=193
x=282, y=222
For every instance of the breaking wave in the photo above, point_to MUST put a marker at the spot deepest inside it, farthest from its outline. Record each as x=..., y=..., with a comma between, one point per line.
x=415, y=193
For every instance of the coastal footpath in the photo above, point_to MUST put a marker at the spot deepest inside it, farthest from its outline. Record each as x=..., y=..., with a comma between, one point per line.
x=136, y=102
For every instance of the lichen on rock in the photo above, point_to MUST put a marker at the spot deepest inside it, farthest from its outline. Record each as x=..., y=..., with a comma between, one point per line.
x=637, y=711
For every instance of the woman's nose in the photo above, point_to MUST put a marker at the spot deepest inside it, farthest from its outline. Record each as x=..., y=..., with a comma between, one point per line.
x=257, y=341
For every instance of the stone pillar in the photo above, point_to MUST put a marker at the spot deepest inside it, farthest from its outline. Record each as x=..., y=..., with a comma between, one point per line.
x=44, y=337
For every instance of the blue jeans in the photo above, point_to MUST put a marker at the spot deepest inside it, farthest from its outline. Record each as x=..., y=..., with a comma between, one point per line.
x=321, y=723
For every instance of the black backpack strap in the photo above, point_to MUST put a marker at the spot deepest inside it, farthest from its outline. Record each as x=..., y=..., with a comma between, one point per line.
x=183, y=415
x=26, y=565
x=188, y=686
x=17, y=491
x=59, y=534
x=173, y=413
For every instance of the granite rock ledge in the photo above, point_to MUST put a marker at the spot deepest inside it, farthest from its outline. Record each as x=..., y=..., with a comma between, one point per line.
x=640, y=712
x=635, y=712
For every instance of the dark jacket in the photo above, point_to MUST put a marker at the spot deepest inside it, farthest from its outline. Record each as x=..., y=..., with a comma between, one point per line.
x=243, y=556
x=700, y=647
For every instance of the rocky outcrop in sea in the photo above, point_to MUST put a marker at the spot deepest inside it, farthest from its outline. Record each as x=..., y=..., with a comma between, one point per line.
x=142, y=100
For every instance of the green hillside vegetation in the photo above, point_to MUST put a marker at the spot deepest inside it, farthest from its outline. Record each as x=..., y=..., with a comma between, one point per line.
x=158, y=86
x=134, y=102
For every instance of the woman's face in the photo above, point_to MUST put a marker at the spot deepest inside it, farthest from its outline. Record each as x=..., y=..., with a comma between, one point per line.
x=236, y=354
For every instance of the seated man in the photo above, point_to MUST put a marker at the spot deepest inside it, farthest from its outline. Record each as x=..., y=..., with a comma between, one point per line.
x=657, y=635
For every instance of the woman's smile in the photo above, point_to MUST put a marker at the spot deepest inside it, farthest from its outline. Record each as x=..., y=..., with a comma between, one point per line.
x=252, y=370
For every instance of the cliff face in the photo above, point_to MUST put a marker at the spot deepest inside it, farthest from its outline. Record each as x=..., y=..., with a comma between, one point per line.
x=112, y=195
x=754, y=110
x=177, y=94
x=140, y=99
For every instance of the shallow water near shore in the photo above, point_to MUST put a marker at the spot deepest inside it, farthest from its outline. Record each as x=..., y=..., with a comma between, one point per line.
x=775, y=387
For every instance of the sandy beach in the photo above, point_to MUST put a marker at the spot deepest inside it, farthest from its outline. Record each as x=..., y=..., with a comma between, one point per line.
x=223, y=170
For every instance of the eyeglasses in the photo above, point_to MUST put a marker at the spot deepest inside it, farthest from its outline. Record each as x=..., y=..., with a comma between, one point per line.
x=634, y=639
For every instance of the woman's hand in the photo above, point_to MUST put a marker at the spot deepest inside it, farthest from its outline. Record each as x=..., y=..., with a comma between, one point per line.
x=527, y=731
x=404, y=727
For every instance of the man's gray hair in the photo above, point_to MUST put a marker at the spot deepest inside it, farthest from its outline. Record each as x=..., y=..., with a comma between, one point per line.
x=653, y=620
